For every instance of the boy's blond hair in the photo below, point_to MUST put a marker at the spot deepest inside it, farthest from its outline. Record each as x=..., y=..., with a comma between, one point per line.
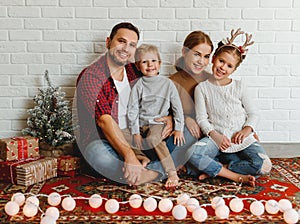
x=145, y=48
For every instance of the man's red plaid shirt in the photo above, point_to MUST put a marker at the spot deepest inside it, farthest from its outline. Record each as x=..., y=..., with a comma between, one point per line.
x=97, y=95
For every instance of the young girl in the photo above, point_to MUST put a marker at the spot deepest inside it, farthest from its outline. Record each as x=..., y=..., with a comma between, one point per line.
x=228, y=118
x=152, y=96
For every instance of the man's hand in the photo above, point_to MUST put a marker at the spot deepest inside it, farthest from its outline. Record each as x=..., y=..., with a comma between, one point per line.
x=193, y=127
x=167, y=120
x=132, y=170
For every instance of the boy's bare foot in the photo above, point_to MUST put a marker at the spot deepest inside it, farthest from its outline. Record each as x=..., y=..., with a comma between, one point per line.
x=172, y=181
x=203, y=176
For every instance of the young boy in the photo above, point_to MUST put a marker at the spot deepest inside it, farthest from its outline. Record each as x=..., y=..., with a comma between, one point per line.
x=151, y=97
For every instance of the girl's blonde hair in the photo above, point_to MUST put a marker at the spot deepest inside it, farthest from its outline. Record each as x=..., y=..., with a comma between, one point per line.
x=193, y=39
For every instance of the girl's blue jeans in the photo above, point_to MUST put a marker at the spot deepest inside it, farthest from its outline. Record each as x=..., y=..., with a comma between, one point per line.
x=207, y=158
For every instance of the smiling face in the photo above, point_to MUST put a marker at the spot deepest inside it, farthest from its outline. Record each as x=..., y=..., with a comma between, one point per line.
x=197, y=58
x=224, y=64
x=149, y=63
x=122, y=47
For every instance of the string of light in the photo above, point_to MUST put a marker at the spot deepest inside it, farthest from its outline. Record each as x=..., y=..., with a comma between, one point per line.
x=179, y=206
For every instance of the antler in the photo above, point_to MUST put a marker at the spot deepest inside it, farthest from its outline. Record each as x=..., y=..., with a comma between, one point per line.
x=247, y=42
x=234, y=35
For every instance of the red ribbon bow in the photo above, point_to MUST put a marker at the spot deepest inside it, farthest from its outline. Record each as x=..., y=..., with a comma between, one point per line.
x=241, y=49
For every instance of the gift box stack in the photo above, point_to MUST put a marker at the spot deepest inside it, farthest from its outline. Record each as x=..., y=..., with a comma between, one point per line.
x=68, y=166
x=21, y=162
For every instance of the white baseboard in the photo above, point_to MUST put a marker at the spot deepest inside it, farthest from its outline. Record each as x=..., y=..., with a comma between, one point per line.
x=282, y=150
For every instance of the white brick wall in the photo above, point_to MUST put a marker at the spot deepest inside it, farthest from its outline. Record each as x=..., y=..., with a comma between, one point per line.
x=64, y=36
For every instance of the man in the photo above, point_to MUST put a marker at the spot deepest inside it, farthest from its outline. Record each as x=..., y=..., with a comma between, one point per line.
x=103, y=90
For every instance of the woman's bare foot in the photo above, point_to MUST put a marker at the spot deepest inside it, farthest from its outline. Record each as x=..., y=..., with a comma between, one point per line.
x=203, y=176
x=247, y=179
x=172, y=181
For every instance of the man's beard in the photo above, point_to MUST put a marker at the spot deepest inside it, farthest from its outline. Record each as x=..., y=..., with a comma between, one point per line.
x=116, y=60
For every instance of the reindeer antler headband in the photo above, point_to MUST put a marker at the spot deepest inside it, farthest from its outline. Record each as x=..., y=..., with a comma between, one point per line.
x=229, y=42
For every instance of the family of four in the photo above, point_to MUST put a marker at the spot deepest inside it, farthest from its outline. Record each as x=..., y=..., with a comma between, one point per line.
x=137, y=126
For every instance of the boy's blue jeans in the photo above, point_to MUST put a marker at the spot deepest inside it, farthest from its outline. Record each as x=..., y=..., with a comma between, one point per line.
x=106, y=161
x=207, y=158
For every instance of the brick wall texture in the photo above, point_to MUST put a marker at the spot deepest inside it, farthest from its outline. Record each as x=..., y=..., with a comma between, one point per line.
x=64, y=36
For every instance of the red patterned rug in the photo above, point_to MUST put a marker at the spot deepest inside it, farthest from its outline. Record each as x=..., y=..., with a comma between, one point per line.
x=283, y=182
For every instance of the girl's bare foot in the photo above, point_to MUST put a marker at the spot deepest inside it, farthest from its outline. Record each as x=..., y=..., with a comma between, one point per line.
x=203, y=176
x=172, y=181
x=247, y=179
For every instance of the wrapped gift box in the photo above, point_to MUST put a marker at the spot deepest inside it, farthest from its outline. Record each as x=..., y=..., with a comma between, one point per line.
x=36, y=171
x=71, y=173
x=8, y=169
x=68, y=163
x=19, y=148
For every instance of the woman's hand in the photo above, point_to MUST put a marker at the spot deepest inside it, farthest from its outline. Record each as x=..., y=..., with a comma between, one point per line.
x=193, y=127
x=167, y=120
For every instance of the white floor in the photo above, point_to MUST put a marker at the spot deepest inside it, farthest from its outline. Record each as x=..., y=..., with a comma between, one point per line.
x=282, y=150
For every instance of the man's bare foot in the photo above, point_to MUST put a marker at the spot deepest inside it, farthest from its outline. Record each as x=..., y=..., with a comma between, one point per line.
x=181, y=170
x=203, y=176
x=172, y=181
x=147, y=176
x=247, y=179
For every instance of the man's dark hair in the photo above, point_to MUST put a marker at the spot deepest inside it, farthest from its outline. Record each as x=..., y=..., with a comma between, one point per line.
x=125, y=25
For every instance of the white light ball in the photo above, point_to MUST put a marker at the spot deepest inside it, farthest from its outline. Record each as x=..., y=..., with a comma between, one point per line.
x=222, y=211
x=47, y=220
x=192, y=204
x=257, y=208
x=291, y=216
x=236, y=205
x=54, y=199
x=112, y=206
x=179, y=212
x=165, y=205
x=33, y=200
x=19, y=198
x=30, y=210
x=53, y=212
x=217, y=201
x=12, y=208
x=284, y=205
x=95, y=201
x=182, y=199
x=199, y=214
x=150, y=204
x=68, y=204
x=135, y=201
x=272, y=207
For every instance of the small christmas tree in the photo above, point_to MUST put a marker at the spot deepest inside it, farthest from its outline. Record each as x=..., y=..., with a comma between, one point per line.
x=51, y=119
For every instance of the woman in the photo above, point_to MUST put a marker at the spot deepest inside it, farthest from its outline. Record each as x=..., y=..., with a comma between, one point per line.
x=196, y=51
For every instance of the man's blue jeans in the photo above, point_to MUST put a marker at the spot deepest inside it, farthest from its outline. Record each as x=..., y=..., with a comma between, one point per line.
x=106, y=161
x=207, y=158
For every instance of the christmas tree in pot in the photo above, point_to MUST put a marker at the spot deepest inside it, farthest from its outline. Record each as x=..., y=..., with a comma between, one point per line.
x=51, y=119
